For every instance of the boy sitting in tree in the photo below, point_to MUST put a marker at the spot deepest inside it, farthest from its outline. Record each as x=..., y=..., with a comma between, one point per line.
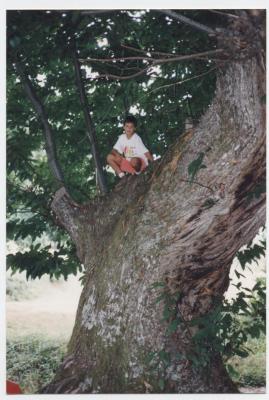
x=129, y=145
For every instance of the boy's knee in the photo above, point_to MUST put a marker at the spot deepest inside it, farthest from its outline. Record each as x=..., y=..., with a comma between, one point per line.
x=109, y=157
x=136, y=163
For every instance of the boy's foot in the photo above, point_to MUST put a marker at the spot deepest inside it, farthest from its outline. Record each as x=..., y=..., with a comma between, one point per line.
x=121, y=174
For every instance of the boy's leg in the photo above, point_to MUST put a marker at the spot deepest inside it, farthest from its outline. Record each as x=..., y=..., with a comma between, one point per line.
x=136, y=163
x=114, y=161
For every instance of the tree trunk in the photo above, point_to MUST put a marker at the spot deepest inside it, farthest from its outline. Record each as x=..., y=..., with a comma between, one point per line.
x=159, y=227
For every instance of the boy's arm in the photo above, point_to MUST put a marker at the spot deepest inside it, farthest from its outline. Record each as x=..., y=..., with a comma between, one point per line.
x=115, y=152
x=149, y=156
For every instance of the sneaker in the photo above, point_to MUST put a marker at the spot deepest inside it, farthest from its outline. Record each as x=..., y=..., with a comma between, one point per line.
x=121, y=175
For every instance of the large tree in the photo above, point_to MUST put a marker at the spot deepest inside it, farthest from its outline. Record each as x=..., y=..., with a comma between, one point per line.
x=177, y=226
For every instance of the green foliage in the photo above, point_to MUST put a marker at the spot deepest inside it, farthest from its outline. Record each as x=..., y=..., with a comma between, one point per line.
x=225, y=330
x=250, y=371
x=43, y=39
x=39, y=261
x=250, y=254
x=257, y=191
x=33, y=360
x=209, y=203
x=195, y=166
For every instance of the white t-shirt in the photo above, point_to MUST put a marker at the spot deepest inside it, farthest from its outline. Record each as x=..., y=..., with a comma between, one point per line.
x=133, y=147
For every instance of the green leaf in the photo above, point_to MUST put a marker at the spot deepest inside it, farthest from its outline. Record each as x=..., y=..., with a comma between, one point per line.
x=164, y=356
x=195, y=165
x=232, y=371
x=15, y=41
x=173, y=326
x=160, y=298
x=161, y=383
x=150, y=356
x=241, y=353
x=238, y=274
x=157, y=284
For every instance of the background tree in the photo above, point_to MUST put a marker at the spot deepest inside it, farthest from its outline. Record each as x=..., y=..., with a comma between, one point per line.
x=171, y=227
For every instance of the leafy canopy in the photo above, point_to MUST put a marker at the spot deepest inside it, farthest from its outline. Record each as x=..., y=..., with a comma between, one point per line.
x=43, y=39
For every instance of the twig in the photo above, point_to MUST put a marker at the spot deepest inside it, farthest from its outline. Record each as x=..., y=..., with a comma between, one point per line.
x=180, y=82
x=123, y=68
x=197, y=183
x=141, y=72
x=147, y=51
x=106, y=60
x=226, y=14
x=93, y=12
x=188, y=56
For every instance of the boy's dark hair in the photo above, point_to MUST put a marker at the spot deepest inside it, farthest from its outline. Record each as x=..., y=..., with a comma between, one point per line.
x=130, y=118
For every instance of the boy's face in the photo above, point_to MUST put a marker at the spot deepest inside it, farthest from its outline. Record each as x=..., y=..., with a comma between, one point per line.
x=129, y=128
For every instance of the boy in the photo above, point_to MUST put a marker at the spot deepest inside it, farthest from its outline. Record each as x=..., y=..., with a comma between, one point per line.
x=131, y=146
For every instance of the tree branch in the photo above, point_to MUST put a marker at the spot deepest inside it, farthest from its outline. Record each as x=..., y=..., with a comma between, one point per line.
x=188, y=21
x=147, y=51
x=170, y=13
x=48, y=134
x=119, y=77
x=180, y=82
x=89, y=123
x=226, y=14
x=154, y=62
x=109, y=60
x=93, y=12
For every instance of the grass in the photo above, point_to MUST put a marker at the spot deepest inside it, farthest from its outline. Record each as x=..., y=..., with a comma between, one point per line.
x=33, y=360
x=17, y=289
x=251, y=371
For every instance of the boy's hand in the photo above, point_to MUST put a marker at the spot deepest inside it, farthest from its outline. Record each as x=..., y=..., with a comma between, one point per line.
x=149, y=156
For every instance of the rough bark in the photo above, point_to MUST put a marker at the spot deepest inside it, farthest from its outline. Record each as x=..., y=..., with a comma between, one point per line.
x=158, y=226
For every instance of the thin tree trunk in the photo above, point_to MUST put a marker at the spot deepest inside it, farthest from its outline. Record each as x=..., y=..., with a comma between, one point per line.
x=159, y=227
x=89, y=124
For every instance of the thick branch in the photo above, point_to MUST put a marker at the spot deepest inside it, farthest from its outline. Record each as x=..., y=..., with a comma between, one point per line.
x=89, y=124
x=48, y=134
